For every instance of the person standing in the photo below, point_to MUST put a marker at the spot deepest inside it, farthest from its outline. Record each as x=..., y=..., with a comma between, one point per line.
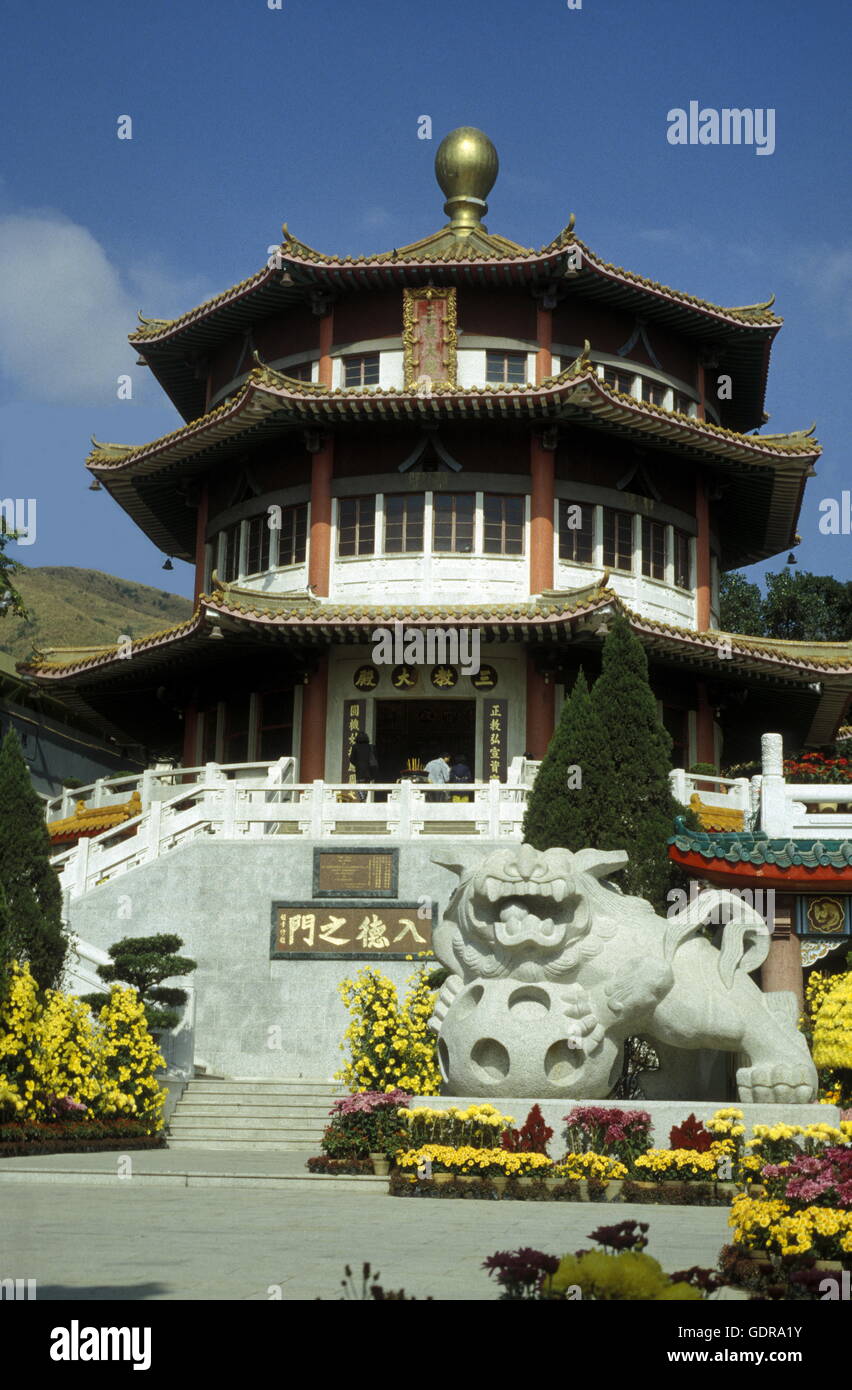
x=363, y=759
x=438, y=772
x=460, y=772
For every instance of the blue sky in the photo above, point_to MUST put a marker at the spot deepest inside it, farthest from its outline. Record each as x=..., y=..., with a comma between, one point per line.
x=245, y=116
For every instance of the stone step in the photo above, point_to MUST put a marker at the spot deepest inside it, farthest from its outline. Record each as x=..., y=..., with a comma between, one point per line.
x=189, y=1135
x=238, y=1109
x=253, y=1145
x=232, y=1123
x=310, y=1089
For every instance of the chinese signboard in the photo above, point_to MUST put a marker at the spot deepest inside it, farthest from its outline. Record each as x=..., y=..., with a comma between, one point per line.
x=344, y=873
x=429, y=338
x=349, y=931
x=354, y=720
x=495, y=723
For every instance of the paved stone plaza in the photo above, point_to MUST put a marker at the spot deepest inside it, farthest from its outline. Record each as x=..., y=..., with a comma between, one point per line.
x=85, y=1235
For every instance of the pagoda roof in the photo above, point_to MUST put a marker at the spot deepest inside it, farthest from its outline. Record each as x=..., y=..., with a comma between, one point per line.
x=299, y=619
x=782, y=863
x=766, y=473
x=480, y=259
x=88, y=821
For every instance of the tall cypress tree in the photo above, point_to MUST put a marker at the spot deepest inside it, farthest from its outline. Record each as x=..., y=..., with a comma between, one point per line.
x=637, y=811
x=564, y=805
x=31, y=899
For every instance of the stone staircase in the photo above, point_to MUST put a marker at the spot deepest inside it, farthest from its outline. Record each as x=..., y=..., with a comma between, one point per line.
x=271, y=1116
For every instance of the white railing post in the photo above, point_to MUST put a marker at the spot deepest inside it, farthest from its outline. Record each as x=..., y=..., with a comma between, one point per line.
x=317, y=797
x=67, y=804
x=155, y=815
x=494, y=796
x=405, y=803
x=98, y=794
x=229, y=811
x=775, y=810
x=679, y=785
x=82, y=866
x=146, y=788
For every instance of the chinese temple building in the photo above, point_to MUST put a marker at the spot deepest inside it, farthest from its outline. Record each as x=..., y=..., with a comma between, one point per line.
x=467, y=435
x=415, y=487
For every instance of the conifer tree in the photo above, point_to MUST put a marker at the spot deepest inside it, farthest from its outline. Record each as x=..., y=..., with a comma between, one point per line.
x=564, y=805
x=637, y=809
x=143, y=962
x=30, y=896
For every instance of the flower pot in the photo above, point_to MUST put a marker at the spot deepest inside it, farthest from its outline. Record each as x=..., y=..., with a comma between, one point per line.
x=500, y=1185
x=381, y=1165
x=441, y=1178
x=833, y=1266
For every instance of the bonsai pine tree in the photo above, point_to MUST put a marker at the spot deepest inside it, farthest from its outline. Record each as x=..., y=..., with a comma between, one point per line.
x=30, y=896
x=143, y=962
x=637, y=809
x=564, y=804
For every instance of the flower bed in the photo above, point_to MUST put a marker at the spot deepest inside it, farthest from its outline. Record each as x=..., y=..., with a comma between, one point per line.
x=75, y=1136
x=341, y=1167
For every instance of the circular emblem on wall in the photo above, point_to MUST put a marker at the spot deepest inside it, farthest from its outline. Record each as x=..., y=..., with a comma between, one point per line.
x=485, y=678
x=366, y=678
x=826, y=915
x=444, y=677
x=404, y=677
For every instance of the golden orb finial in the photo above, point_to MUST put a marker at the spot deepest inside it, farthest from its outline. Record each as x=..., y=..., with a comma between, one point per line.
x=466, y=167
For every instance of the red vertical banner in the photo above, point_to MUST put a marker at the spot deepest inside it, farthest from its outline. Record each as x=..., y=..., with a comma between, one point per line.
x=495, y=724
x=354, y=722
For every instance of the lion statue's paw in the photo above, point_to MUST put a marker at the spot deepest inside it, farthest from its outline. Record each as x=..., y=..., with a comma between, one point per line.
x=779, y=1083
x=641, y=987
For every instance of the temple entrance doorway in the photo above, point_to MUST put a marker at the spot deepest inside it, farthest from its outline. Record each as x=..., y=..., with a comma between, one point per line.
x=423, y=729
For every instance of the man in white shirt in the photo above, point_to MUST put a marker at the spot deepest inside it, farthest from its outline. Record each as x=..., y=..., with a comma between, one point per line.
x=438, y=772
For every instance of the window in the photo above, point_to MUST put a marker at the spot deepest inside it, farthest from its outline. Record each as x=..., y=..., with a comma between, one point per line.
x=653, y=548
x=257, y=544
x=275, y=725
x=504, y=525
x=619, y=381
x=452, y=522
x=506, y=368
x=361, y=371
x=356, y=525
x=653, y=391
x=685, y=405
x=404, y=522
x=576, y=532
x=302, y=371
x=618, y=539
x=231, y=553
x=682, y=566
x=293, y=536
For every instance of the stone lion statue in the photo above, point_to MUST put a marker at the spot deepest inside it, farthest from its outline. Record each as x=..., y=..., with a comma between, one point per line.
x=552, y=967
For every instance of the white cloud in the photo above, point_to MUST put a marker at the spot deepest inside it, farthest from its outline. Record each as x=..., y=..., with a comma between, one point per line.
x=66, y=311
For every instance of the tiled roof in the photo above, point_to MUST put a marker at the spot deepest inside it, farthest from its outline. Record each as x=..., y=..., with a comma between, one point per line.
x=757, y=848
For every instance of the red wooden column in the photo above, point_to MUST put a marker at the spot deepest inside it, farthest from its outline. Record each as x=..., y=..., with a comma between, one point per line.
x=782, y=969
x=322, y=467
x=319, y=559
x=542, y=471
x=314, y=706
x=540, y=710
x=200, y=538
x=542, y=493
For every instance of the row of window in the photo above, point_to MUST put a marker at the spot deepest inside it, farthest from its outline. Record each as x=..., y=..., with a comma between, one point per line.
x=510, y=369
x=251, y=547
x=229, y=734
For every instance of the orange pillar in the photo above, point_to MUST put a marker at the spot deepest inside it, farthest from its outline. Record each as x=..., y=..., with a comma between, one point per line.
x=544, y=337
x=314, y=705
x=705, y=742
x=326, y=338
x=200, y=539
x=541, y=515
x=319, y=560
x=782, y=969
x=540, y=710
x=702, y=555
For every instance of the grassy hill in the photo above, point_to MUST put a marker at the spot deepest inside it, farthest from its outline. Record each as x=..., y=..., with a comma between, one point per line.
x=78, y=607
